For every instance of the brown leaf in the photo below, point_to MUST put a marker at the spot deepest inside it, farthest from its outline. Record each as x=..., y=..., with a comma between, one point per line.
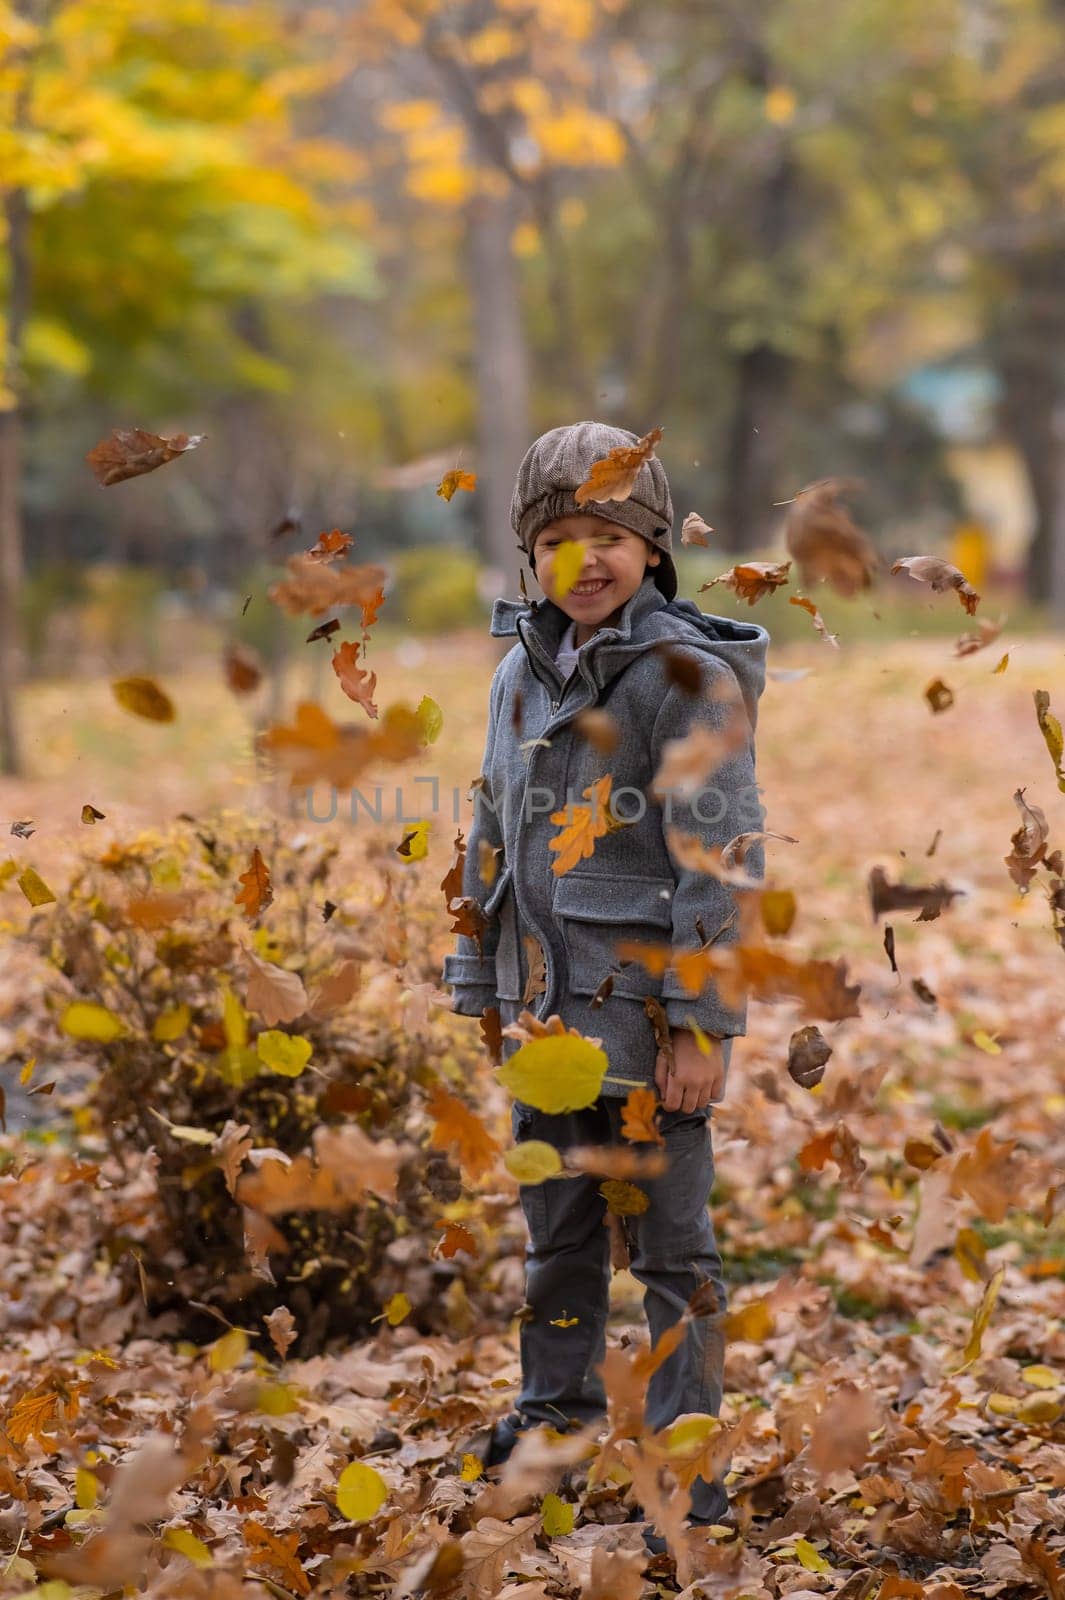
x=940, y=575
x=752, y=580
x=243, y=667
x=613, y=476
x=932, y=898
x=281, y=1325
x=257, y=890
x=694, y=530
x=819, y=622
x=821, y=535
x=330, y=546
x=128, y=452
x=457, y=1128
x=274, y=994
x=808, y=1050
x=144, y=698
x=314, y=587
x=356, y=683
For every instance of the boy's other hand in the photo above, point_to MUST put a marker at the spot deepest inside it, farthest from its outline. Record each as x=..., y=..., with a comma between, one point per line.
x=696, y=1078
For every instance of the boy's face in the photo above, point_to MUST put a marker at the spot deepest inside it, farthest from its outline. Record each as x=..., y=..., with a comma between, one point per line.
x=614, y=565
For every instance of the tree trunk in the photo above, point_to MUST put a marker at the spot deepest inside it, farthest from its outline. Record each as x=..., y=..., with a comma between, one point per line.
x=502, y=368
x=1025, y=345
x=759, y=418
x=16, y=218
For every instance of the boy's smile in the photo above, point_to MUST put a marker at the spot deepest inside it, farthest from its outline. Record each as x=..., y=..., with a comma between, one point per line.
x=615, y=563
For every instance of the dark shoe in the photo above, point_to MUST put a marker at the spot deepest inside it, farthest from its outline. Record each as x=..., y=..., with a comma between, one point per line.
x=492, y=1446
x=656, y=1544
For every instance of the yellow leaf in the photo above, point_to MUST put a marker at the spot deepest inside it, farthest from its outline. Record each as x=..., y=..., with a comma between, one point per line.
x=171, y=1024
x=186, y=1544
x=456, y=479
x=415, y=844
x=569, y=559
x=624, y=1199
x=754, y=1322
x=971, y=1253
x=983, y=1041
x=980, y=1321
x=533, y=1161
x=557, y=1516
x=1040, y=1409
x=396, y=1309
x=562, y=1073
x=228, y=1351
x=692, y=1433
x=234, y=1019
x=563, y=1321
x=34, y=888
x=361, y=1492
x=472, y=1469
x=83, y=1019
x=86, y=1489
x=431, y=718
x=282, y=1052
x=811, y=1559
x=26, y=1072
x=277, y=1399
x=8, y=870
x=144, y=698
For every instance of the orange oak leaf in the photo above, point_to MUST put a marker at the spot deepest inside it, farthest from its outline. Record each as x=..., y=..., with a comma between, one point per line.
x=613, y=477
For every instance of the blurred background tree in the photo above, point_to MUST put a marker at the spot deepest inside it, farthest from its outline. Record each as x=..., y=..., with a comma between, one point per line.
x=361, y=242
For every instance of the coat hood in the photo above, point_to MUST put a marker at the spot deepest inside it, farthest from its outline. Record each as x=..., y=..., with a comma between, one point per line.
x=647, y=620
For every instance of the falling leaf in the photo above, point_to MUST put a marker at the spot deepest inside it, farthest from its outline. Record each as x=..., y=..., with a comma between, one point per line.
x=694, y=530
x=1050, y=728
x=356, y=683
x=243, y=667
x=90, y=815
x=144, y=698
x=563, y=1073
x=23, y=830
x=456, y=479
x=315, y=587
x=752, y=580
x=256, y=891
x=277, y=995
x=938, y=695
x=940, y=576
x=613, y=477
x=284, y=1053
x=414, y=846
x=533, y=1161
x=981, y=1318
x=566, y=567
x=638, y=1117
x=330, y=546
x=458, y=1129
x=34, y=888
x=229, y=1351
x=83, y=1019
x=581, y=826
x=818, y=620
x=822, y=536
x=455, y=1237
x=128, y=452
x=624, y=1199
x=324, y=630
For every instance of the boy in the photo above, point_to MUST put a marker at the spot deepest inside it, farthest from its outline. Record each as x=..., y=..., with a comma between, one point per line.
x=620, y=642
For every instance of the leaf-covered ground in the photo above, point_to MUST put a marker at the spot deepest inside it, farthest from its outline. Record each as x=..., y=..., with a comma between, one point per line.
x=895, y=1382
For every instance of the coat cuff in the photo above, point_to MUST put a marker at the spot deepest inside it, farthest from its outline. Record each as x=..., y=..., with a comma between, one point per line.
x=705, y=1010
x=473, y=982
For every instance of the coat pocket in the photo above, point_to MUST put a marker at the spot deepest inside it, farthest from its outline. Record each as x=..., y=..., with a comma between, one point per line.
x=596, y=912
x=501, y=902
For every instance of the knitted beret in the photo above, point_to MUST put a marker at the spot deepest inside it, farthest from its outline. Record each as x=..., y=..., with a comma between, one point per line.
x=560, y=460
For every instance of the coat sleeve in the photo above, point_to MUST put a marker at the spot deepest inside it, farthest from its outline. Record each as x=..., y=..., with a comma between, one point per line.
x=471, y=975
x=726, y=805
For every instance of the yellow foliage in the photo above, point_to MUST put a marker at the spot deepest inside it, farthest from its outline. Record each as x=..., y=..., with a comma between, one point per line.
x=561, y=1073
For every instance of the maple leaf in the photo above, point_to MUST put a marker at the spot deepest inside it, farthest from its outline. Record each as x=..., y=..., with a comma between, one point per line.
x=456, y=479
x=128, y=452
x=257, y=890
x=613, y=476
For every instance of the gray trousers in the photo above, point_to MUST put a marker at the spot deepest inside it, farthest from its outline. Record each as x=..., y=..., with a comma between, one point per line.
x=567, y=1274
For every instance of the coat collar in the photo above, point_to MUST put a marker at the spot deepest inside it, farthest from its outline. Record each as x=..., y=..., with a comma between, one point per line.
x=540, y=624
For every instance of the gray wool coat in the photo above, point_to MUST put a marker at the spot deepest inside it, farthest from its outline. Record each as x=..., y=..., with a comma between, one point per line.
x=536, y=761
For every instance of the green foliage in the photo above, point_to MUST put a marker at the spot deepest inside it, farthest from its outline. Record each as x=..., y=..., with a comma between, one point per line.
x=435, y=589
x=175, y=986
x=46, y=591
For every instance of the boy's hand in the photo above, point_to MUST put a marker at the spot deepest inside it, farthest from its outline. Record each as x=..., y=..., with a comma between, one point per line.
x=695, y=1079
